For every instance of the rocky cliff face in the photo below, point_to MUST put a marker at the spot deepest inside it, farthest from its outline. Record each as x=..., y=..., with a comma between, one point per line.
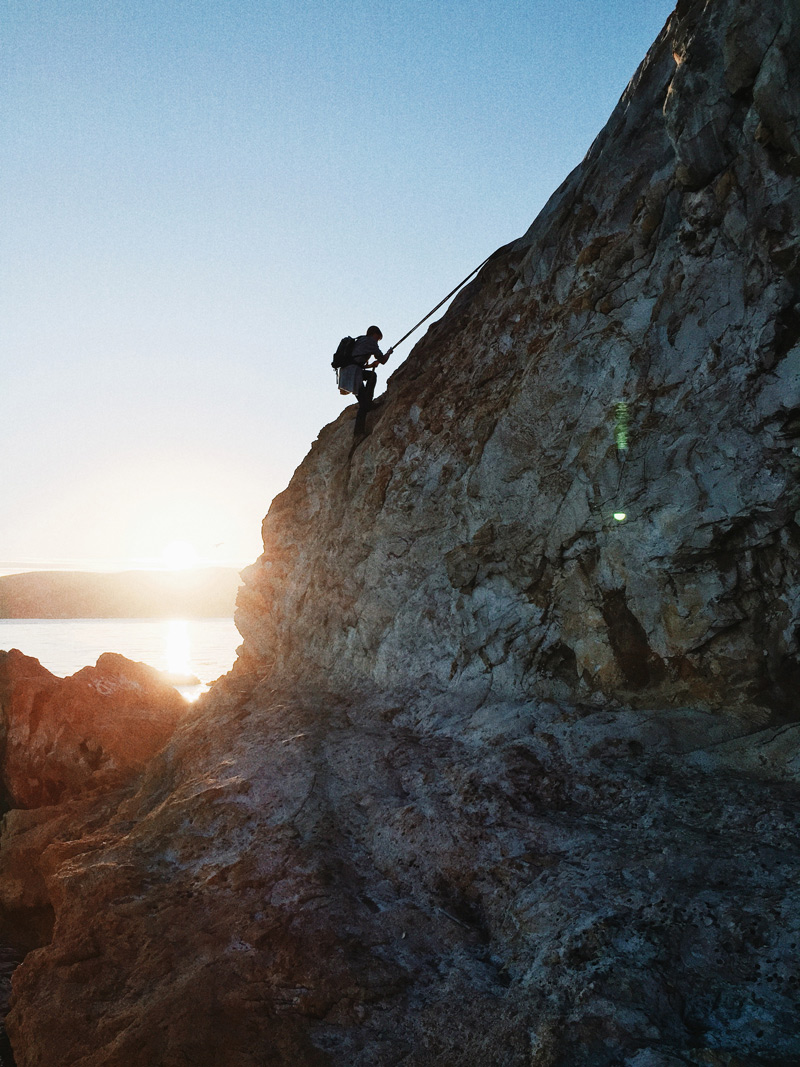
x=500, y=776
x=471, y=543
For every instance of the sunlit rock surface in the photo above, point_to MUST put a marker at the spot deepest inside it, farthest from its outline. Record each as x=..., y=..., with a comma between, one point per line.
x=500, y=778
x=63, y=736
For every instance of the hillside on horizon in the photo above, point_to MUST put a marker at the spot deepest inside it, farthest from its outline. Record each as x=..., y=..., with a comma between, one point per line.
x=208, y=592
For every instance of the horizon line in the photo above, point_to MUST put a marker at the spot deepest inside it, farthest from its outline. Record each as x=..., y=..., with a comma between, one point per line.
x=13, y=566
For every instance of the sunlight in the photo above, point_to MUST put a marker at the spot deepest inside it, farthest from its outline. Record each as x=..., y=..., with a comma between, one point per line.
x=179, y=556
x=178, y=648
x=149, y=501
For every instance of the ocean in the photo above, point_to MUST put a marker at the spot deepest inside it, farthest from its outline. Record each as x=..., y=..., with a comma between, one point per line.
x=205, y=648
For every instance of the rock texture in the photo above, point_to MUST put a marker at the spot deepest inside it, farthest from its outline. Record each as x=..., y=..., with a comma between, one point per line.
x=500, y=778
x=64, y=736
x=663, y=276
x=309, y=883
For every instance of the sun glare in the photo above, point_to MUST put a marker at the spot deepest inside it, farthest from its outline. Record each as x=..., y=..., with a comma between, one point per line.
x=179, y=556
x=178, y=648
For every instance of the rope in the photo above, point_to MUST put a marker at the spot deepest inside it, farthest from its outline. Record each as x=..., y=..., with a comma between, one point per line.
x=444, y=301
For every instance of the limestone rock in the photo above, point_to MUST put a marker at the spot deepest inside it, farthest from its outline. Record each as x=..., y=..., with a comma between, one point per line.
x=507, y=771
x=91, y=731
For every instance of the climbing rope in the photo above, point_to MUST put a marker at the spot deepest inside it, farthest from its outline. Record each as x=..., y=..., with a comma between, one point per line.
x=444, y=301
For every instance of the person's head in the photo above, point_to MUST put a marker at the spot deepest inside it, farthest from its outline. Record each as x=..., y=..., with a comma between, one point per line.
x=373, y=331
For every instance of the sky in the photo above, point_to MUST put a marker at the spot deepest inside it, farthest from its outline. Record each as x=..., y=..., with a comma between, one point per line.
x=199, y=198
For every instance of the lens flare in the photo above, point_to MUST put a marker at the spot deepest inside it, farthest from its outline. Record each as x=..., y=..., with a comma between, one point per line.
x=621, y=420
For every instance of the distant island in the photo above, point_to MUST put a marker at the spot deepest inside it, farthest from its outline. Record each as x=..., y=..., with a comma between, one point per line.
x=203, y=593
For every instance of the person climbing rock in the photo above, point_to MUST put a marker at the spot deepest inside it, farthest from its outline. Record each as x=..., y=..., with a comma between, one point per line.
x=367, y=355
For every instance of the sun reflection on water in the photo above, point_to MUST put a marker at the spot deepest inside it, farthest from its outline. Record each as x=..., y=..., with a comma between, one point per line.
x=178, y=655
x=201, y=650
x=178, y=647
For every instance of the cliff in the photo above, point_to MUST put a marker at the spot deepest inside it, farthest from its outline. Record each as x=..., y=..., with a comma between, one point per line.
x=507, y=769
x=471, y=544
x=209, y=592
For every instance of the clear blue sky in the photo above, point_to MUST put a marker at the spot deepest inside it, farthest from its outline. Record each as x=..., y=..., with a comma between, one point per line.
x=200, y=198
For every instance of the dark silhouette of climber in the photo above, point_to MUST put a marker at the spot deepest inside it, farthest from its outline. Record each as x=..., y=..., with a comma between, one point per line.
x=366, y=354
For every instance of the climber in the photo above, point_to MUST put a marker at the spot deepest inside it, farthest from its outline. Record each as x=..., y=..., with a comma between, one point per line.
x=351, y=360
x=366, y=348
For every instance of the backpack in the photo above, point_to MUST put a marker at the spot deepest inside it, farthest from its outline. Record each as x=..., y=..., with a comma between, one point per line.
x=342, y=355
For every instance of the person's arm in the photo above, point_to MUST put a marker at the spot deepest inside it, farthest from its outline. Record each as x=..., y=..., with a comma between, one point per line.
x=374, y=351
x=381, y=357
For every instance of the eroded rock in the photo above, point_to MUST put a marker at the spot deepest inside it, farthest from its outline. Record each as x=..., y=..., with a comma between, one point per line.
x=92, y=731
x=305, y=882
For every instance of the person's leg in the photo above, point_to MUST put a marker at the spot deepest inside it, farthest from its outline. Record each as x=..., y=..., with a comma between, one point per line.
x=365, y=395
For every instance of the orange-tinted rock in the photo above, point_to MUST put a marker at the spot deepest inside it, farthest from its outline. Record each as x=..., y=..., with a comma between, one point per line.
x=64, y=736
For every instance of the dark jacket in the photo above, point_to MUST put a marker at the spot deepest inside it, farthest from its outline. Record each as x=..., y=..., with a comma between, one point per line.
x=365, y=349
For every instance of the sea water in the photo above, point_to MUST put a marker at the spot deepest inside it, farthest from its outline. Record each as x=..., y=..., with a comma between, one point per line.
x=205, y=648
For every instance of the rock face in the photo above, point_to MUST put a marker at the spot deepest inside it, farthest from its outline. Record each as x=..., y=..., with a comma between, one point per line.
x=500, y=778
x=471, y=542
x=301, y=882
x=66, y=736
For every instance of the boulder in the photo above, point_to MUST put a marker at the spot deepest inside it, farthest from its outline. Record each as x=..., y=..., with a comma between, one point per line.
x=89, y=732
